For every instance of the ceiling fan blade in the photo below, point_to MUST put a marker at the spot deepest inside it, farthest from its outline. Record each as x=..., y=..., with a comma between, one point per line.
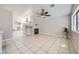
x=45, y=12
x=47, y=15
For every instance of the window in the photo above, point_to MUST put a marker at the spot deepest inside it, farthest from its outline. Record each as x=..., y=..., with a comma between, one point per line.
x=75, y=20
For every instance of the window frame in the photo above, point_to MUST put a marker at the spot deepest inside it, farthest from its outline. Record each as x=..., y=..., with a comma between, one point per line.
x=73, y=21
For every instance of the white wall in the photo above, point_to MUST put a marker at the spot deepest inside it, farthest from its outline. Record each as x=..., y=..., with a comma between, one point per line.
x=75, y=36
x=21, y=12
x=6, y=23
x=53, y=25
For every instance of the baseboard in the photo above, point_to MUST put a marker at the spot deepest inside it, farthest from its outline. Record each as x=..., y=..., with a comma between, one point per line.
x=52, y=34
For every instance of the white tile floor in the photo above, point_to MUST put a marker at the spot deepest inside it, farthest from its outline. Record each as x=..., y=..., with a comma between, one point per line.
x=39, y=44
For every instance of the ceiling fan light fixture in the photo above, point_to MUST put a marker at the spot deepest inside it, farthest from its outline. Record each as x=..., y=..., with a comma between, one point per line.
x=43, y=13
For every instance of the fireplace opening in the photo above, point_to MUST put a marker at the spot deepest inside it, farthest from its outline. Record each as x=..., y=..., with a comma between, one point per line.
x=36, y=31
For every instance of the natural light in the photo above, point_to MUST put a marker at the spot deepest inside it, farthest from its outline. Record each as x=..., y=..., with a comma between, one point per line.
x=75, y=20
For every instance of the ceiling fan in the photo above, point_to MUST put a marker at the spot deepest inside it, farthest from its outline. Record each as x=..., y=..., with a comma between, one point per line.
x=44, y=13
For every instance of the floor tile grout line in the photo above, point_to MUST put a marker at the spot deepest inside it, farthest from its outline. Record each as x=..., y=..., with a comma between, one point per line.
x=68, y=46
x=67, y=43
x=73, y=47
x=60, y=46
x=39, y=47
x=51, y=45
x=26, y=49
x=16, y=47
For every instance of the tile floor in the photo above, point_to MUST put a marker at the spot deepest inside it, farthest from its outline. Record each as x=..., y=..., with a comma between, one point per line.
x=40, y=44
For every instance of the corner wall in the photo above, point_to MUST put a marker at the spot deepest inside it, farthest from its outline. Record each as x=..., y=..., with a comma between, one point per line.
x=53, y=25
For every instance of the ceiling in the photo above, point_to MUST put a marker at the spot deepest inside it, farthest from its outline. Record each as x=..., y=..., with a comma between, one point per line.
x=31, y=9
